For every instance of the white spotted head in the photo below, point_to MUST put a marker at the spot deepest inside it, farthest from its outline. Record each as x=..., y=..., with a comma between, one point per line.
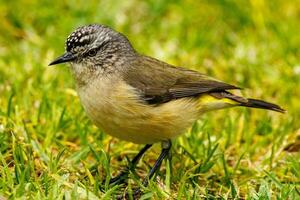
x=86, y=37
x=81, y=37
x=94, y=43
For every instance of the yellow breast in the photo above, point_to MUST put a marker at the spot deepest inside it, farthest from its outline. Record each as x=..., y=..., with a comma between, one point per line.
x=115, y=107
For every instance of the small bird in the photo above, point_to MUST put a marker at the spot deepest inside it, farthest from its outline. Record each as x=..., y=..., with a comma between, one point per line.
x=140, y=99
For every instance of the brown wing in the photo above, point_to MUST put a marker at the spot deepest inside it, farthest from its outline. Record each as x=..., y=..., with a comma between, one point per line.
x=159, y=82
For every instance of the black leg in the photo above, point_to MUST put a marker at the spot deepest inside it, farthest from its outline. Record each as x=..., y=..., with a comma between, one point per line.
x=123, y=175
x=166, y=146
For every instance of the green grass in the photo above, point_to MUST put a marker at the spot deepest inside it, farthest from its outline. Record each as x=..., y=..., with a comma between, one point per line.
x=50, y=150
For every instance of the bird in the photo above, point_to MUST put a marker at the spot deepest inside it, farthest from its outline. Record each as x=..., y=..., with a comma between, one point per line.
x=138, y=98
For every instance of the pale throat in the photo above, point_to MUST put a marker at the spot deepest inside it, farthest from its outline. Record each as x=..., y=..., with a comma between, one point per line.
x=83, y=74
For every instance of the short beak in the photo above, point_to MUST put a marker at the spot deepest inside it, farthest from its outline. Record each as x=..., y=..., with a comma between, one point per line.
x=67, y=57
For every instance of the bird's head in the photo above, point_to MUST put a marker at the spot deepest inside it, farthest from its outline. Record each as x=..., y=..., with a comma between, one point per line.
x=95, y=46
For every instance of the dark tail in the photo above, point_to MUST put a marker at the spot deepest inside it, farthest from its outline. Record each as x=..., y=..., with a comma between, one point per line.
x=255, y=103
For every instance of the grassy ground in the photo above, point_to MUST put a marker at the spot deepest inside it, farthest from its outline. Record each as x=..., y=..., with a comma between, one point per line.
x=50, y=150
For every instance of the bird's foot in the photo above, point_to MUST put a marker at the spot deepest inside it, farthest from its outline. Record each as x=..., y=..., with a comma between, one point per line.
x=120, y=178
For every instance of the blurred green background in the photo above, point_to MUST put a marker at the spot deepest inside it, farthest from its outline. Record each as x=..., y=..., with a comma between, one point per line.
x=50, y=150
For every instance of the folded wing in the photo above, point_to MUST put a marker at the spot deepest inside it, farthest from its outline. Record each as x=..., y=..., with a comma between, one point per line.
x=158, y=82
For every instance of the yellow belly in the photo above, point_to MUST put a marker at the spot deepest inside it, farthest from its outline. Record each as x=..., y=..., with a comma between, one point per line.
x=116, y=109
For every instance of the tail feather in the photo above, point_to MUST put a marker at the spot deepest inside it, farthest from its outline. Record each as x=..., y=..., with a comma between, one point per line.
x=255, y=103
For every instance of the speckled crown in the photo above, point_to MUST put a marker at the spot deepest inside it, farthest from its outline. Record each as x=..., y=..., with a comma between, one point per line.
x=81, y=36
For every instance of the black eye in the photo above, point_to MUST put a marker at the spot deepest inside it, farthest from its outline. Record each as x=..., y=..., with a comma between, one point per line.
x=92, y=52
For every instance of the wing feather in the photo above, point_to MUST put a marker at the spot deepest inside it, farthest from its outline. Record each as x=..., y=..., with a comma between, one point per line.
x=158, y=82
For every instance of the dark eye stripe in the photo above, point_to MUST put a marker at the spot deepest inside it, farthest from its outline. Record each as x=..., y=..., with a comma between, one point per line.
x=93, y=52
